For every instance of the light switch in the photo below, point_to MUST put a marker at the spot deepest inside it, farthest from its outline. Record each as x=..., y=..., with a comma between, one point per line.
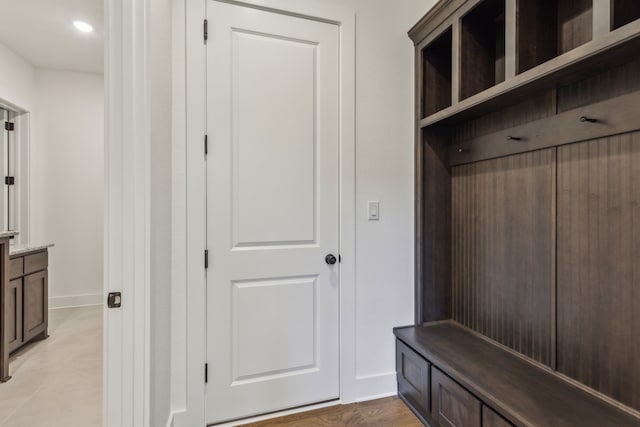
x=374, y=211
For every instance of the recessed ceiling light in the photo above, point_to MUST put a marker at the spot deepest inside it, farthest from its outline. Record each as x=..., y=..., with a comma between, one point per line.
x=83, y=26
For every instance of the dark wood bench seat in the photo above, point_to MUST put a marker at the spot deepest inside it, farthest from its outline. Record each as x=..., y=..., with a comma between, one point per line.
x=523, y=393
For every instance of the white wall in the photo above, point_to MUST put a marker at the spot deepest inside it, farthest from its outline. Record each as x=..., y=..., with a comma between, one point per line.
x=67, y=192
x=17, y=90
x=384, y=172
x=17, y=80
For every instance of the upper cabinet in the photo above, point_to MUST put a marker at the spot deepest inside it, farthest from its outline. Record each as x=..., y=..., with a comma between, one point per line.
x=488, y=54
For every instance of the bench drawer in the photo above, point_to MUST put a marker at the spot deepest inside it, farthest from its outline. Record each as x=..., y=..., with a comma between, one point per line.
x=490, y=418
x=412, y=372
x=452, y=405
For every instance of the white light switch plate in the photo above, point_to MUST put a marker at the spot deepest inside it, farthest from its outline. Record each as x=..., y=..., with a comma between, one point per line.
x=374, y=211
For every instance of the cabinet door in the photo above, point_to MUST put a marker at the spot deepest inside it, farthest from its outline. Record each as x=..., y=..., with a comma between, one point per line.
x=413, y=378
x=14, y=307
x=35, y=304
x=490, y=418
x=451, y=405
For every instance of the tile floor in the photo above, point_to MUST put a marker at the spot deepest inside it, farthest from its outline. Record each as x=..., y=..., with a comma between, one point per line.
x=58, y=382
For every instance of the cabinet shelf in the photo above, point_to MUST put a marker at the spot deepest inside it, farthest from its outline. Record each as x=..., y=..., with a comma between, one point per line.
x=437, y=61
x=550, y=28
x=482, y=48
x=624, y=12
x=602, y=53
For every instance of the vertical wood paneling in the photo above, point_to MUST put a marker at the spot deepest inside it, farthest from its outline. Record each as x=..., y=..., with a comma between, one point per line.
x=434, y=225
x=537, y=36
x=575, y=23
x=532, y=109
x=502, y=237
x=608, y=84
x=437, y=65
x=624, y=12
x=598, y=265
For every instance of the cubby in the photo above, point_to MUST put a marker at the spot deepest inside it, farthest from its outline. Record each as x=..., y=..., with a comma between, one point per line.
x=437, y=61
x=624, y=12
x=546, y=29
x=482, y=48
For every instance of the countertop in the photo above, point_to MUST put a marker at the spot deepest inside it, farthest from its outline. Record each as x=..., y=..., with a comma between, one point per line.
x=8, y=234
x=23, y=249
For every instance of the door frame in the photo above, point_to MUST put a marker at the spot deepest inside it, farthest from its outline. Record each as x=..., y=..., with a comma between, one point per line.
x=126, y=340
x=188, y=277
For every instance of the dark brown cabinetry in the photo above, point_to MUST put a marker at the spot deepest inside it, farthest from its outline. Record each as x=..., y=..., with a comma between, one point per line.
x=527, y=216
x=491, y=419
x=34, y=288
x=451, y=405
x=437, y=74
x=482, y=47
x=26, y=305
x=15, y=315
x=413, y=377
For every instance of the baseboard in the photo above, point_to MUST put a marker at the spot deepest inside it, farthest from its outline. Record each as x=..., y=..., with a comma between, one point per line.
x=75, y=301
x=376, y=386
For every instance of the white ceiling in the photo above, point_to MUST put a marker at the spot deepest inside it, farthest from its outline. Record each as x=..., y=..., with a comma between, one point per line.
x=42, y=32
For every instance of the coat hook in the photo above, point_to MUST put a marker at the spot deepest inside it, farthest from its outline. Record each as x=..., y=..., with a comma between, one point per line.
x=587, y=119
x=513, y=138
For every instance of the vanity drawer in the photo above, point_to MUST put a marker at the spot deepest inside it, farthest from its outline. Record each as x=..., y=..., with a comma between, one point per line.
x=412, y=372
x=16, y=267
x=35, y=262
x=452, y=405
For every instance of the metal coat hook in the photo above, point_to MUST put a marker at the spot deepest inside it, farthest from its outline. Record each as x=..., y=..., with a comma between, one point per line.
x=588, y=119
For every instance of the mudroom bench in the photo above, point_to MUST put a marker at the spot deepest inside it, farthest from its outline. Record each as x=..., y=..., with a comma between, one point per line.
x=451, y=376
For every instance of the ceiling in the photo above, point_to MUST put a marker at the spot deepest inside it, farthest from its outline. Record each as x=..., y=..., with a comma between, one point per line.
x=42, y=32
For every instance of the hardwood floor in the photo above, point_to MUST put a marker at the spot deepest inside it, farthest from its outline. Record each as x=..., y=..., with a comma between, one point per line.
x=389, y=412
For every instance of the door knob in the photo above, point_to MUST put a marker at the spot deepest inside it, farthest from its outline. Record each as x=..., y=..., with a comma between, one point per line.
x=330, y=259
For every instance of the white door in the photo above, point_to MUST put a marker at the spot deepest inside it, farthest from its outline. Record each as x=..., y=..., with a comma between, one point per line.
x=272, y=211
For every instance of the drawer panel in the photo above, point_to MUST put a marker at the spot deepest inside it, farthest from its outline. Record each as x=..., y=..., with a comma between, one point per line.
x=413, y=378
x=16, y=267
x=35, y=262
x=452, y=405
x=490, y=418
